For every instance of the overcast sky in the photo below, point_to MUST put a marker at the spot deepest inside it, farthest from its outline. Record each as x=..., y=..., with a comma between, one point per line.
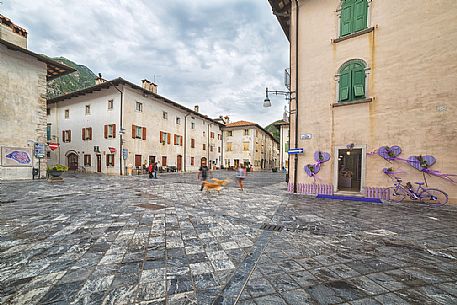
x=219, y=54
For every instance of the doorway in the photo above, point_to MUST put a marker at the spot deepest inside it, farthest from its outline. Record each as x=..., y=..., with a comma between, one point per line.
x=72, y=161
x=179, y=163
x=152, y=159
x=350, y=164
x=236, y=163
x=99, y=163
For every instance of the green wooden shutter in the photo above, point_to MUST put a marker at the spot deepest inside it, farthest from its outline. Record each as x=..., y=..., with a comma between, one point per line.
x=358, y=82
x=346, y=18
x=345, y=83
x=360, y=15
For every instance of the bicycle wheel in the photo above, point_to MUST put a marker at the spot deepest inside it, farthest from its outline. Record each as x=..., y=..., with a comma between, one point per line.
x=433, y=197
x=397, y=194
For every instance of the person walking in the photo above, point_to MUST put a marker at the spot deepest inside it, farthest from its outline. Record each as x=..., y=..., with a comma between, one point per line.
x=156, y=169
x=241, y=175
x=150, y=170
x=203, y=173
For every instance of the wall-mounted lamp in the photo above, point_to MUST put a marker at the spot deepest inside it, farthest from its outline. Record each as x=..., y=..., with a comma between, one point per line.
x=267, y=102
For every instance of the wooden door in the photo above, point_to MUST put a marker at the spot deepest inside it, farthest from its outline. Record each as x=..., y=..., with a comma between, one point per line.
x=137, y=160
x=99, y=163
x=179, y=163
x=72, y=161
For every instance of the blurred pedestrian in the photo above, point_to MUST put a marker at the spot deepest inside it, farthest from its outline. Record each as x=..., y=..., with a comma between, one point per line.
x=203, y=173
x=156, y=169
x=151, y=170
x=241, y=175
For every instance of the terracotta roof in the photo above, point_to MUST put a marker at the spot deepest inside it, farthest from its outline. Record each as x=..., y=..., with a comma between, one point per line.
x=121, y=81
x=282, y=122
x=15, y=28
x=54, y=68
x=240, y=123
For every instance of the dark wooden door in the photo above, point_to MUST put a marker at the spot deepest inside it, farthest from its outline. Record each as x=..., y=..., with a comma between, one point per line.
x=137, y=160
x=179, y=163
x=72, y=161
x=99, y=163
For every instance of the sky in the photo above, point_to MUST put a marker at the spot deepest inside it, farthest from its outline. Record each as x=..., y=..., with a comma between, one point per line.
x=218, y=54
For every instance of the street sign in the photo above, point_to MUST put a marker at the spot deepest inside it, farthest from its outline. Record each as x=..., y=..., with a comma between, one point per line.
x=53, y=146
x=295, y=151
x=40, y=151
x=125, y=153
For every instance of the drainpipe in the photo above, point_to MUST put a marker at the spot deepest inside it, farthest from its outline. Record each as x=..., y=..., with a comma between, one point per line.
x=185, y=141
x=207, y=147
x=296, y=97
x=120, y=128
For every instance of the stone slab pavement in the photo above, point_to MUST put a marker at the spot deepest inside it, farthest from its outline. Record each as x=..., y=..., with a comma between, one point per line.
x=131, y=240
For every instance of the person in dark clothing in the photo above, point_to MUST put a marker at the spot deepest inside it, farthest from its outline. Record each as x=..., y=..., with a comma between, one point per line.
x=203, y=173
x=156, y=169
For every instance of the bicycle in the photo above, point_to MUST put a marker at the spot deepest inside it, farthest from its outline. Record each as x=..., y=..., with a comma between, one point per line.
x=430, y=196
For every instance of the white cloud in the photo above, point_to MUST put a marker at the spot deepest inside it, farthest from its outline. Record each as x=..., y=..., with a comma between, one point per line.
x=219, y=54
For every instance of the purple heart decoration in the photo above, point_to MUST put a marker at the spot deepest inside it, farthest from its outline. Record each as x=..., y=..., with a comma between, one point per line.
x=389, y=153
x=421, y=163
x=312, y=169
x=321, y=157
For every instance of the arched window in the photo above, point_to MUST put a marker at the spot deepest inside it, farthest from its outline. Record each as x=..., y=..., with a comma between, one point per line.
x=352, y=81
x=353, y=16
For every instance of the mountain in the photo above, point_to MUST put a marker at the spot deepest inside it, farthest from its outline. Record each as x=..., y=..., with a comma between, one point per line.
x=82, y=78
x=273, y=129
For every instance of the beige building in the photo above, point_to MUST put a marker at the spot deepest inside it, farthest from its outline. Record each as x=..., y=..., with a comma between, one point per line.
x=372, y=74
x=248, y=143
x=283, y=127
x=117, y=124
x=23, y=77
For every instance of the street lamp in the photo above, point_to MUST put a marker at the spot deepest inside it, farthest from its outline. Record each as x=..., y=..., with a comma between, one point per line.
x=267, y=102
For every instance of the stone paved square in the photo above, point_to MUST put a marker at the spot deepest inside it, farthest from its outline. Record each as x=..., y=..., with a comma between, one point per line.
x=93, y=240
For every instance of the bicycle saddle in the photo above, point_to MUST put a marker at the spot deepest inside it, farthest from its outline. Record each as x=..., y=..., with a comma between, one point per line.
x=420, y=183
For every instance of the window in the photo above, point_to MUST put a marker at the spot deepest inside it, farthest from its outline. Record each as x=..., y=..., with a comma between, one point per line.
x=219, y=149
x=178, y=140
x=48, y=111
x=229, y=147
x=110, y=160
x=229, y=133
x=48, y=132
x=87, y=109
x=87, y=160
x=86, y=134
x=219, y=136
x=204, y=146
x=178, y=120
x=353, y=16
x=204, y=133
x=211, y=147
x=110, y=104
x=139, y=107
x=165, y=115
x=192, y=161
x=138, y=132
x=245, y=146
x=110, y=131
x=67, y=113
x=192, y=125
x=246, y=132
x=212, y=135
x=192, y=143
x=165, y=137
x=66, y=136
x=352, y=81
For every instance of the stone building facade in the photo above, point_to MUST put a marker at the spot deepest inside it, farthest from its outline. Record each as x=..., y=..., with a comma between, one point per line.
x=87, y=126
x=283, y=127
x=23, y=77
x=372, y=74
x=248, y=143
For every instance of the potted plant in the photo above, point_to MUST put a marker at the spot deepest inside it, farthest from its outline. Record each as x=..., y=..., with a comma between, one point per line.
x=57, y=170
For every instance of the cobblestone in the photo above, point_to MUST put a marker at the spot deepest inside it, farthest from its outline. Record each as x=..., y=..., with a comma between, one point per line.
x=131, y=240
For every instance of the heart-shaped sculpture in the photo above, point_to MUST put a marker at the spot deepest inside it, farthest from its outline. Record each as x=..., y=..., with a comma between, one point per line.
x=389, y=153
x=312, y=169
x=321, y=157
x=421, y=162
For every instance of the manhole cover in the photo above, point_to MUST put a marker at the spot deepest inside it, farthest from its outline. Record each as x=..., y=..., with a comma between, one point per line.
x=150, y=206
x=270, y=227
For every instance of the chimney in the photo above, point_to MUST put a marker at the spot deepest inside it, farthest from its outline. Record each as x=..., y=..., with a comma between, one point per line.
x=227, y=119
x=147, y=85
x=196, y=108
x=99, y=80
x=12, y=33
